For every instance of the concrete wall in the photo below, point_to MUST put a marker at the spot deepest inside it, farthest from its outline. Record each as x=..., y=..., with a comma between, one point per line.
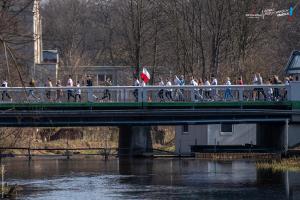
x=293, y=95
x=294, y=135
x=43, y=71
x=197, y=134
x=242, y=134
x=211, y=134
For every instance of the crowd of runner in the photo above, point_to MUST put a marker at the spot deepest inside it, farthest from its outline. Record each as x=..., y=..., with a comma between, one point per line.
x=166, y=92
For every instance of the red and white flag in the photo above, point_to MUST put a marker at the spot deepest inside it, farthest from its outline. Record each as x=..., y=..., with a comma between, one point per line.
x=145, y=76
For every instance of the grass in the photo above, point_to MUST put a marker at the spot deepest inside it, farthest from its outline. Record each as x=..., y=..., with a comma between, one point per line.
x=166, y=148
x=289, y=164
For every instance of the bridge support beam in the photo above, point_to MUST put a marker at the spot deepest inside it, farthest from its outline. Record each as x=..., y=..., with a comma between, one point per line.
x=134, y=141
x=275, y=136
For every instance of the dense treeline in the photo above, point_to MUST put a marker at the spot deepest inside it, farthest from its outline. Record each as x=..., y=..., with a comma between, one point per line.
x=190, y=37
x=194, y=37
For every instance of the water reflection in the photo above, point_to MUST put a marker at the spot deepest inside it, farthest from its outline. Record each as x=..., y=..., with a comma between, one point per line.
x=150, y=179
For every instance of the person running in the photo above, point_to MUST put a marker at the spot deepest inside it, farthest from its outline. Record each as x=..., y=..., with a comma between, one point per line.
x=182, y=83
x=70, y=91
x=49, y=85
x=107, y=94
x=91, y=95
x=207, y=90
x=214, y=91
x=136, y=83
x=31, y=91
x=179, y=92
x=255, y=90
x=59, y=91
x=169, y=90
x=161, y=91
x=260, y=90
x=4, y=91
x=89, y=81
x=287, y=83
x=200, y=83
x=228, y=94
x=276, y=81
x=269, y=91
x=78, y=92
x=240, y=82
x=197, y=95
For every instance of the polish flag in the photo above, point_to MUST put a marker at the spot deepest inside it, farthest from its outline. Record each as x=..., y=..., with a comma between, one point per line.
x=145, y=75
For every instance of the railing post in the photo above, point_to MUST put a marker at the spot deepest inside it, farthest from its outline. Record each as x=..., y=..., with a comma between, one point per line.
x=90, y=94
x=42, y=94
x=192, y=94
x=144, y=94
x=125, y=92
x=241, y=94
x=140, y=94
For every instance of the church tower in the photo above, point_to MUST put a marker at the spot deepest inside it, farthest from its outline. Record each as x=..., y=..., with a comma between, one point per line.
x=37, y=32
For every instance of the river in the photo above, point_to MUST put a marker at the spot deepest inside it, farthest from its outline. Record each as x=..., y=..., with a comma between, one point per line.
x=161, y=178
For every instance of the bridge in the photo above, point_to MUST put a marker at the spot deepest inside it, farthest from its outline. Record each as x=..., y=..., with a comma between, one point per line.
x=132, y=108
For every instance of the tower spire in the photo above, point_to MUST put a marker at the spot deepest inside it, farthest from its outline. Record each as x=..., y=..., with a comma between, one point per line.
x=37, y=32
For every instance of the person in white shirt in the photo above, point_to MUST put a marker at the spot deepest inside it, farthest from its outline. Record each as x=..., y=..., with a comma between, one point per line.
x=59, y=91
x=179, y=92
x=169, y=91
x=254, y=82
x=228, y=90
x=214, y=92
x=143, y=83
x=136, y=91
x=197, y=94
x=207, y=90
x=161, y=91
x=78, y=92
x=48, y=92
x=4, y=91
x=269, y=91
x=70, y=91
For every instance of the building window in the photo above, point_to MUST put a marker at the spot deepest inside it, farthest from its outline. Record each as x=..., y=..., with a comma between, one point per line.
x=101, y=77
x=185, y=129
x=226, y=129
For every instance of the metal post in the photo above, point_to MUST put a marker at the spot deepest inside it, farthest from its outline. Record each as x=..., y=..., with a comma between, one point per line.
x=29, y=154
x=67, y=151
x=286, y=137
x=2, y=181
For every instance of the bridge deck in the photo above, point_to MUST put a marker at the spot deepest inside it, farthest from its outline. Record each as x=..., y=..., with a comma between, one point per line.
x=287, y=105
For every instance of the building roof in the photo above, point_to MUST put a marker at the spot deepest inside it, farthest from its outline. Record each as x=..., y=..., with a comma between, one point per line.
x=293, y=65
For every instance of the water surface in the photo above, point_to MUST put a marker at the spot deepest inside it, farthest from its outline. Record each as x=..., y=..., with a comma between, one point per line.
x=148, y=179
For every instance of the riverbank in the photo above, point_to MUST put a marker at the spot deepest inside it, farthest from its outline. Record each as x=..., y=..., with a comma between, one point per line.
x=9, y=191
x=286, y=164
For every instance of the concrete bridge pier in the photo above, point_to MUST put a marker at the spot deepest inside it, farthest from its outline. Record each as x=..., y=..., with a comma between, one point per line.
x=274, y=136
x=134, y=141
